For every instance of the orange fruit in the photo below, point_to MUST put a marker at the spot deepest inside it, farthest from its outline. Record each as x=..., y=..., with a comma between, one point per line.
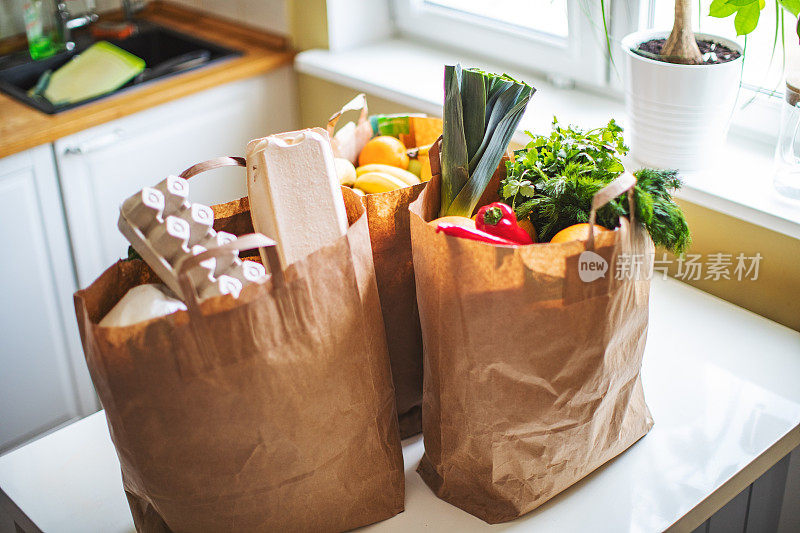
x=576, y=232
x=384, y=150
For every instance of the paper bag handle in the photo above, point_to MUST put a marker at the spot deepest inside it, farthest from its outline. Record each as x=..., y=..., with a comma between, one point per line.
x=211, y=164
x=245, y=242
x=359, y=102
x=624, y=182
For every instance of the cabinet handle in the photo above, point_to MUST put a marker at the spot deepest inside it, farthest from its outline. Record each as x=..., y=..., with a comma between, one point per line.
x=96, y=143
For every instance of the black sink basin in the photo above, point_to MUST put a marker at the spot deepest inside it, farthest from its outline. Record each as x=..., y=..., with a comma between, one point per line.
x=166, y=53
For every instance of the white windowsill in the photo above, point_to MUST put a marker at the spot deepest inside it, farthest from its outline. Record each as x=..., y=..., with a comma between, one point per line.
x=411, y=74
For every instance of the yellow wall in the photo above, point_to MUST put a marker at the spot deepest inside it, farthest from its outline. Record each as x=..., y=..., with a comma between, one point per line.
x=308, y=23
x=319, y=99
x=776, y=292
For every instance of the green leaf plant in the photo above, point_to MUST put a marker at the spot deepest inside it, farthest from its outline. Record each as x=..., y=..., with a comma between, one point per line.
x=681, y=46
x=746, y=15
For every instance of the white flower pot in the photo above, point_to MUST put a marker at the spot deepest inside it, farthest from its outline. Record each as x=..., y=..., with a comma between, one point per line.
x=678, y=114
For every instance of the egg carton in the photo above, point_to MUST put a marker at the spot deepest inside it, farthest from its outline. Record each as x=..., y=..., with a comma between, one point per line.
x=166, y=229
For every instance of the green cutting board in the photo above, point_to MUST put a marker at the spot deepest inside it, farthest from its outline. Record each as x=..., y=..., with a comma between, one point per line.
x=100, y=69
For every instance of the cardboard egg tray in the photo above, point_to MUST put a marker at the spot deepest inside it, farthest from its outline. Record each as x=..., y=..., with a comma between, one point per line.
x=166, y=229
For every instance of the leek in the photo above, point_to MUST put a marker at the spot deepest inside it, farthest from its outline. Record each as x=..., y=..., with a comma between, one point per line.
x=481, y=113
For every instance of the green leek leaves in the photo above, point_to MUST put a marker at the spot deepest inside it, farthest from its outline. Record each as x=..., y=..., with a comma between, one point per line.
x=481, y=113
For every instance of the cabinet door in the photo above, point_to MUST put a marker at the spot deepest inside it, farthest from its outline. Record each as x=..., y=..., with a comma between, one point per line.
x=43, y=381
x=102, y=166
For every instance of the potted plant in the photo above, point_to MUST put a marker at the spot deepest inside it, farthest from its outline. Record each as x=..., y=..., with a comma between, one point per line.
x=681, y=86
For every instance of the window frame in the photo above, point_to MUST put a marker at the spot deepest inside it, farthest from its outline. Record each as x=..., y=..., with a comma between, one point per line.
x=580, y=57
x=756, y=115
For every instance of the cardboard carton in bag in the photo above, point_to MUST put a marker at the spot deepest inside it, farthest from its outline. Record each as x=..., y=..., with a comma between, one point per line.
x=388, y=219
x=532, y=375
x=271, y=412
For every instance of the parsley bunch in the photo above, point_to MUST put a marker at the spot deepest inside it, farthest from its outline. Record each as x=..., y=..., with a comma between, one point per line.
x=553, y=179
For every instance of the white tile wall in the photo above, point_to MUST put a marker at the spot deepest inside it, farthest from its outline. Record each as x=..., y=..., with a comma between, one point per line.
x=11, y=12
x=270, y=15
x=11, y=17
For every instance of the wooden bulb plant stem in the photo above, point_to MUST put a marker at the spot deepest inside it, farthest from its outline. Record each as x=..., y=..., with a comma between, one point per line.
x=681, y=46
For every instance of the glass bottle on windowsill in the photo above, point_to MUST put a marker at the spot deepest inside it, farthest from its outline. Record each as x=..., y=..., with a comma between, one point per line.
x=787, y=154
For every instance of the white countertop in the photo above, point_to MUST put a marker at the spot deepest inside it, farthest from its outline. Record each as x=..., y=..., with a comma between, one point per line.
x=721, y=382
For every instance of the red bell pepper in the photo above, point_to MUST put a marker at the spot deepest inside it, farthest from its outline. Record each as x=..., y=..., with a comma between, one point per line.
x=473, y=234
x=498, y=219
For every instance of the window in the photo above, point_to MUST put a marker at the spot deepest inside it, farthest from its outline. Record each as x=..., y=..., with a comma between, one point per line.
x=556, y=37
x=547, y=18
x=564, y=39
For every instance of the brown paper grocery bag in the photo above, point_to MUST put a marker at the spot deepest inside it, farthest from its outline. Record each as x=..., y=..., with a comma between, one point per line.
x=351, y=138
x=532, y=376
x=389, y=231
x=271, y=412
x=388, y=219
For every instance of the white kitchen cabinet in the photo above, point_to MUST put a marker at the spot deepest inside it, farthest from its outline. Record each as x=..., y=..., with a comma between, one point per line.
x=43, y=378
x=102, y=166
x=58, y=208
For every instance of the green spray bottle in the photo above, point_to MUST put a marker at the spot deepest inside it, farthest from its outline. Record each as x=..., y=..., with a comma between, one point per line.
x=40, y=27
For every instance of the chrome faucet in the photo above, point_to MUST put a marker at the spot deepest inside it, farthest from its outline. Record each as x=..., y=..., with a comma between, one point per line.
x=131, y=7
x=67, y=22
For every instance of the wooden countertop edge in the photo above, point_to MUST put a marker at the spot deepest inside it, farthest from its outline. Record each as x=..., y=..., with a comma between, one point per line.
x=262, y=53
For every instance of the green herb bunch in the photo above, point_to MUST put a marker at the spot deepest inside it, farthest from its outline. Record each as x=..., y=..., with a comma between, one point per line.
x=553, y=179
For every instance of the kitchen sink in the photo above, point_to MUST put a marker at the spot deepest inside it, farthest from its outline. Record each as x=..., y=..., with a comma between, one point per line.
x=166, y=52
